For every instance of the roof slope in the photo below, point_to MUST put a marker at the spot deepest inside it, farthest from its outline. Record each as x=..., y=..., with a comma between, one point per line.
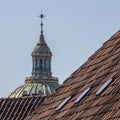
x=18, y=108
x=102, y=66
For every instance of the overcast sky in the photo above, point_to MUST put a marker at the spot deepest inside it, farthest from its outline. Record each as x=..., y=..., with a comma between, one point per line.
x=73, y=29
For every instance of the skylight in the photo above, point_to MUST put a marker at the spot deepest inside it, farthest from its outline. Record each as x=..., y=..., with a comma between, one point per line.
x=82, y=95
x=103, y=87
x=63, y=103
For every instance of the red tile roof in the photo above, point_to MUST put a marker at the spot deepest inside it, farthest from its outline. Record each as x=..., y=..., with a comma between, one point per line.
x=18, y=108
x=102, y=66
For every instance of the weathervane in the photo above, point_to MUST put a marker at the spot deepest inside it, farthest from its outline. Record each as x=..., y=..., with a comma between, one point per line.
x=41, y=16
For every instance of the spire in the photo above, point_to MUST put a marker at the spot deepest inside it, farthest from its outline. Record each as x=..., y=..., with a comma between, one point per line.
x=41, y=39
x=41, y=24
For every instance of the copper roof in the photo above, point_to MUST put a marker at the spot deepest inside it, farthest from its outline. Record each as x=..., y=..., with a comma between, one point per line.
x=43, y=88
x=18, y=108
x=102, y=66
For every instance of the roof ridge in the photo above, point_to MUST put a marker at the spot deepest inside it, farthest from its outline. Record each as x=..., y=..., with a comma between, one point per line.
x=116, y=35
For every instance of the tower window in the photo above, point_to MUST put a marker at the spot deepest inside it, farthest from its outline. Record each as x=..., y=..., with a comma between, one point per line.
x=45, y=64
x=41, y=64
x=36, y=64
x=33, y=64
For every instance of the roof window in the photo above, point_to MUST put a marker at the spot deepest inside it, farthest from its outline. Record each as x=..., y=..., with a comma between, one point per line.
x=63, y=103
x=82, y=95
x=105, y=85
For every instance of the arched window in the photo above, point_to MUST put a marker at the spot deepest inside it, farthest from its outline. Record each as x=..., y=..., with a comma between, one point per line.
x=36, y=64
x=46, y=64
x=33, y=64
x=41, y=64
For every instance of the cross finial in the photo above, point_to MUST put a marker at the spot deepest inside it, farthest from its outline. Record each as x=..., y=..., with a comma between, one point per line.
x=41, y=16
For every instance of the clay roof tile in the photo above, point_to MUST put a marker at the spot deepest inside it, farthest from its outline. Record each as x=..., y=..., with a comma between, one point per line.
x=102, y=66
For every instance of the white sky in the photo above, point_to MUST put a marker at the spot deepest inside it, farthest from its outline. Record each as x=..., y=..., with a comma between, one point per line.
x=73, y=29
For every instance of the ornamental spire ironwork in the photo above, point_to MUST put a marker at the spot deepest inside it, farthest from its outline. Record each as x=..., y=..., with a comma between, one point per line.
x=41, y=24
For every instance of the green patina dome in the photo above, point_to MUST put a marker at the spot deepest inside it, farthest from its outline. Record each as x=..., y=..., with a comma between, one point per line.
x=41, y=46
x=27, y=89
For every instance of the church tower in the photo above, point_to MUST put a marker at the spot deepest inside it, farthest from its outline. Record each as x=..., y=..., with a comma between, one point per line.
x=41, y=82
